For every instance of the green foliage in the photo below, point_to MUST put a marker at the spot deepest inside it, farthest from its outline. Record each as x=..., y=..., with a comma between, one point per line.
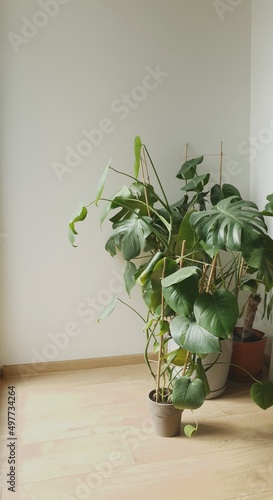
x=260, y=258
x=217, y=313
x=129, y=276
x=269, y=206
x=109, y=308
x=180, y=289
x=129, y=236
x=188, y=169
x=101, y=184
x=137, y=149
x=189, y=430
x=187, y=333
x=188, y=394
x=173, y=252
x=232, y=224
x=197, y=184
x=219, y=193
x=262, y=394
x=79, y=215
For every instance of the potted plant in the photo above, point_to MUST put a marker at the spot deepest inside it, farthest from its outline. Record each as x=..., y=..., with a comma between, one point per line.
x=237, y=226
x=186, y=295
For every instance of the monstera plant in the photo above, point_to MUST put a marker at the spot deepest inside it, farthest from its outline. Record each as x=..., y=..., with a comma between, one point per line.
x=172, y=251
x=237, y=227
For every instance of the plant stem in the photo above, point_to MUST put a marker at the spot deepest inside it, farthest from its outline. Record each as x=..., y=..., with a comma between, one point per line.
x=153, y=229
x=130, y=307
x=211, y=272
x=185, y=363
x=221, y=164
x=165, y=205
x=147, y=361
x=161, y=340
x=239, y=277
x=202, y=283
x=157, y=177
x=143, y=160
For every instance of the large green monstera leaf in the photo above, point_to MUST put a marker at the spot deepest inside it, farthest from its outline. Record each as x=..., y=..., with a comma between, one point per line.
x=129, y=236
x=229, y=224
x=180, y=289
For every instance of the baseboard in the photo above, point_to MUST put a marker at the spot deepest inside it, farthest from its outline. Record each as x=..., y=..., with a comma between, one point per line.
x=77, y=364
x=32, y=369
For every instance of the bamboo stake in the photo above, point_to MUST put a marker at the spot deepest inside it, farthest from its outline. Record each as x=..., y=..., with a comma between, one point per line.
x=239, y=276
x=182, y=253
x=205, y=267
x=211, y=272
x=161, y=339
x=205, y=155
x=146, y=167
x=186, y=362
x=221, y=164
x=186, y=151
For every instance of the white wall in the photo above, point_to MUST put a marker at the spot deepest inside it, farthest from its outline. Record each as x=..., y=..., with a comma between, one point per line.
x=260, y=144
x=67, y=76
x=261, y=139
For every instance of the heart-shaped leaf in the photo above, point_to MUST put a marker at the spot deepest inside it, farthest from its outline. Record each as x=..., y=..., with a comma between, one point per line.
x=186, y=232
x=180, y=296
x=189, y=430
x=262, y=394
x=217, y=313
x=188, y=394
x=189, y=335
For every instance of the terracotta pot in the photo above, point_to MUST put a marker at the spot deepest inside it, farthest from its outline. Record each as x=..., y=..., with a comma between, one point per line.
x=166, y=419
x=249, y=356
x=217, y=375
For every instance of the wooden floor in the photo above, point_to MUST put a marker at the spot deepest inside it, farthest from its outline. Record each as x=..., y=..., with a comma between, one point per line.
x=87, y=434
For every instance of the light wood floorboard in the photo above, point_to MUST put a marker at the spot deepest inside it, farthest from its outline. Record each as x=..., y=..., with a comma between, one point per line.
x=87, y=434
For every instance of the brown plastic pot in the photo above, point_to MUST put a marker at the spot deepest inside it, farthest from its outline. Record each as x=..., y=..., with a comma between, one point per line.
x=166, y=419
x=249, y=356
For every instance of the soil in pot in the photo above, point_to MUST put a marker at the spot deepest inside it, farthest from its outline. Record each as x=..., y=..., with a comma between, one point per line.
x=166, y=419
x=247, y=355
